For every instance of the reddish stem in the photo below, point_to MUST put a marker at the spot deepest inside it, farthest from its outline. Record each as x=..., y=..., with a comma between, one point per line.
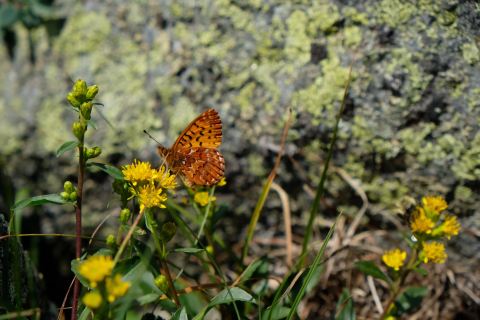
x=78, y=221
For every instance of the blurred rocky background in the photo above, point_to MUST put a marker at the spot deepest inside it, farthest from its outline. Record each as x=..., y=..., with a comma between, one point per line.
x=410, y=125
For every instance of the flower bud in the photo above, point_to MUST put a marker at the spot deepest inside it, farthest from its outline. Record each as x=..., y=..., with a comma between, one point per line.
x=86, y=110
x=117, y=186
x=90, y=153
x=209, y=249
x=112, y=242
x=168, y=231
x=65, y=195
x=78, y=130
x=92, y=92
x=125, y=216
x=162, y=284
x=73, y=196
x=68, y=186
x=98, y=151
x=80, y=89
x=73, y=101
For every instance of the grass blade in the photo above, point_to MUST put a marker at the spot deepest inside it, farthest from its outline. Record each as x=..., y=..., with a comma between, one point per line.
x=263, y=195
x=320, y=188
x=312, y=270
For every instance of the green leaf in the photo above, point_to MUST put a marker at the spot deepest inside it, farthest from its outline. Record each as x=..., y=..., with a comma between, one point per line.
x=278, y=313
x=423, y=272
x=110, y=202
x=410, y=299
x=67, y=146
x=96, y=252
x=8, y=16
x=75, y=266
x=407, y=238
x=148, y=298
x=115, y=173
x=223, y=297
x=347, y=307
x=181, y=314
x=35, y=201
x=370, y=269
x=85, y=313
x=187, y=250
x=41, y=10
x=137, y=231
x=98, y=104
x=219, y=213
x=93, y=124
x=71, y=109
x=145, y=253
x=132, y=269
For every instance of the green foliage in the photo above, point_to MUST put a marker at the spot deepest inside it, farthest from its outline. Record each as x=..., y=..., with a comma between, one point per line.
x=345, y=304
x=411, y=298
x=370, y=269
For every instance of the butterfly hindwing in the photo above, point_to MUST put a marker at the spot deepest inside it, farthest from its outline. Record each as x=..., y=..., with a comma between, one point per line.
x=201, y=165
x=204, y=132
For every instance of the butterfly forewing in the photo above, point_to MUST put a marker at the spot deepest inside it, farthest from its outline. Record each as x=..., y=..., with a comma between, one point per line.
x=205, y=131
x=193, y=155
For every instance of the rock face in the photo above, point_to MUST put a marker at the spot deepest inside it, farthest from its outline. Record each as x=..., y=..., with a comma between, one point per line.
x=410, y=124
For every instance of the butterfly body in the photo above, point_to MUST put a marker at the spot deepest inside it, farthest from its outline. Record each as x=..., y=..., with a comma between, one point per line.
x=193, y=156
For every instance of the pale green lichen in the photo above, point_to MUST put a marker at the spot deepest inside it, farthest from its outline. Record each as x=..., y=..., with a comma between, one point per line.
x=395, y=13
x=322, y=17
x=413, y=140
x=255, y=165
x=470, y=52
x=353, y=14
x=353, y=35
x=463, y=193
x=297, y=43
x=244, y=97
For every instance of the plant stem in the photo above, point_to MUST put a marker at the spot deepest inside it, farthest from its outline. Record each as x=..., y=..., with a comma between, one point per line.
x=165, y=267
x=78, y=223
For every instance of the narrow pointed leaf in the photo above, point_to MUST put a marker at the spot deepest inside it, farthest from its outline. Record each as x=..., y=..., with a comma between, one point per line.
x=345, y=304
x=35, y=201
x=115, y=173
x=370, y=269
x=137, y=231
x=181, y=314
x=67, y=146
x=93, y=124
x=410, y=299
x=71, y=109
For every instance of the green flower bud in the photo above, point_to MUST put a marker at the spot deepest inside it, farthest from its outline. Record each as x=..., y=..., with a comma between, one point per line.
x=117, y=186
x=125, y=216
x=68, y=186
x=73, y=196
x=90, y=153
x=92, y=92
x=98, y=151
x=162, y=284
x=73, y=101
x=168, y=231
x=112, y=242
x=80, y=89
x=78, y=130
x=65, y=195
x=86, y=110
x=75, y=189
x=209, y=249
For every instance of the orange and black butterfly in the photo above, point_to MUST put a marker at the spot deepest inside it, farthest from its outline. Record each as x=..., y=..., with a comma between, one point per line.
x=193, y=156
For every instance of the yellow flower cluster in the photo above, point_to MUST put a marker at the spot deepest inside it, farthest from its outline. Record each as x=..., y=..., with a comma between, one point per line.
x=98, y=271
x=202, y=198
x=433, y=252
x=394, y=259
x=147, y=184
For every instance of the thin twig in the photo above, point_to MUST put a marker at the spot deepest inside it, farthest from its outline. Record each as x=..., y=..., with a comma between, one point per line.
x=286, y=216
x=373, y=290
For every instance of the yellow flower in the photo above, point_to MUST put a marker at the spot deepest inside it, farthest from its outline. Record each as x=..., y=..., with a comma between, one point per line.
x=451, y=226
x=222, y=182
x=92, y=300
x=434, y=252
x=138, y=172
x=421, y=223
x=151, y=196
x=167, y=180
x=435, y=203
x=202, y=198
x=116, y=288
x=394, y=259
x=96, y=268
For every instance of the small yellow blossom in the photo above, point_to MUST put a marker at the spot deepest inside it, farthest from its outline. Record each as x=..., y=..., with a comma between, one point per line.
x=451, y=226
x=202, y=198
x=92, y=300
x=167, y=180
x=435, y=203
x=434, y=252
x=421, y=223
x=116, y=288
x=151, y=196
x=394, y=259
x=138, y=172
x=222, y=182
x=96, y=268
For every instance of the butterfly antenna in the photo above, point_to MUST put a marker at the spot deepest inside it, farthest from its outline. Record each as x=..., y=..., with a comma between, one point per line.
x=145, y=131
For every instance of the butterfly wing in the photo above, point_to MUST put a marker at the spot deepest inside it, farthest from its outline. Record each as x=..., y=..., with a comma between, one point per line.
x=203, y=132
x=201, y=166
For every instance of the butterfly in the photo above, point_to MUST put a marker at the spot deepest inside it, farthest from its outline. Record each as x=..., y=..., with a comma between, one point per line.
x=193, y=156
